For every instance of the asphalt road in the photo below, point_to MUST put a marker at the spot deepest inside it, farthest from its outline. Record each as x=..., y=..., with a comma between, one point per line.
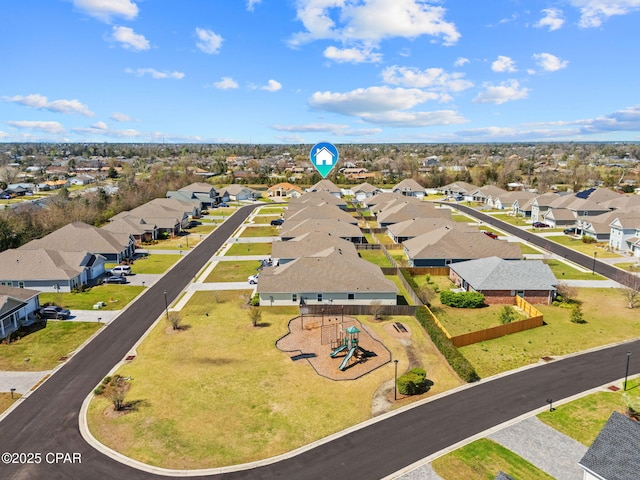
x=47, y=421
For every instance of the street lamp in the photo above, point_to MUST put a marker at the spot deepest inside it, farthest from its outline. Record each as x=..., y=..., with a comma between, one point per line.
x=395, y=382
x=593, y=270
x=166, y=305
x=626, y=373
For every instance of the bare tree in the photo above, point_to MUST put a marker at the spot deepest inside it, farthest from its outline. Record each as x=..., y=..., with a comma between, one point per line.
x=175, y=319
x=567, y=292
x=116, y=391
x=377, y=309
x=255, y=314
x=631, y=293
x=426, y=294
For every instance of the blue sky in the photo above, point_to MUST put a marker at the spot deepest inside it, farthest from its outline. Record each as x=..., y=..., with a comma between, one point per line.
x=303, y=71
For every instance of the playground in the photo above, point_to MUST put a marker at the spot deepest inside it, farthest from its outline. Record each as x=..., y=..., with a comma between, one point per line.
x=337, y=347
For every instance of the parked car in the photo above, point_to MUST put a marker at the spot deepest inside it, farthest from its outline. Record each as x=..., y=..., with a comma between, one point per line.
x=223, y=204
x=115, y=279
x=194, y=223
x=53, y=311
x=277, y=222
x=540, y=225
x=570, y=231
x=120, y=270
x=490, y=234
x=253, y=279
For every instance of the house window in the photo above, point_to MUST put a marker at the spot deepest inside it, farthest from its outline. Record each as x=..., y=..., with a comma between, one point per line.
x=351, y=296
x=319, y=297
x=20, y=284
x=294, y=297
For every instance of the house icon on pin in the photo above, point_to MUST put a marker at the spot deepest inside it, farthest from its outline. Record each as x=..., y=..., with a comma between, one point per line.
x=323, y=157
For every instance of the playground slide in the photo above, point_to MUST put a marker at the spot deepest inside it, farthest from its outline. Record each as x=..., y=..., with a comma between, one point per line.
x=337, y=350
x=343, y=365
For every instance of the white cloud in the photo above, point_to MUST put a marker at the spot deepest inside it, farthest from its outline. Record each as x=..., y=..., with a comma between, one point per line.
x=106, y=9
x=130, y=39
x=272, y=86
x=140, y=72
x=352, y=55
x=594, y=12
x=363, y=101
x=48, y=127
x=552, y=19
x=333, y=128
x=251, y=4
x=3, y=134
x=415, y=119
x=626, y=120
x=371, y=21
x=226, y=83
x=209, y=41
x=434, y=78
x=505, y=92
x=59, y=106
x=460, y=61
x=503, y=64
x=99, y=126
x=120, y=117
x=549, y=62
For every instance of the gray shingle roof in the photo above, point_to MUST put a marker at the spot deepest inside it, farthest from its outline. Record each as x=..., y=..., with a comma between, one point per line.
x=319, y=212
x=335, y=227
x=494, y=273
x=81, y=237
x=615, y=453
x=41, y=264
x=309, y=244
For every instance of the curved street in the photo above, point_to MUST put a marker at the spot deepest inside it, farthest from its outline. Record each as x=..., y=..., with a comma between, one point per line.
x=47, y=420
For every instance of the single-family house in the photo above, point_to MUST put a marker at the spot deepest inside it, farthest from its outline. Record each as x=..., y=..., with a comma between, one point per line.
x=192, y=208
x=17, y=308
x=345, y=230
x=202, y=191
x=410, y=188
x=305, y=280
x=168, y=220
x=458, y=191
x=81, y=237
x=414, y=227
x=559, y=217
x=82, y=180
x=510, y=200
x=238, y=193
x=541, y=204
x=284, y=190
x=402, y=211
x=382, y=201
x=318, y=212
x=49, y=270
x=141, y=231
x=487, y=194
x=624, y=233
x=613, y=455
x=598, y=227
x=501, y=280
x=308, y=244
x=446, y=245
x=326, y=185
x=319, y=197
x=363, y=191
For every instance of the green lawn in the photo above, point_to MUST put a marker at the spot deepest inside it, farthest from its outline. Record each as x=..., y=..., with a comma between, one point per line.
x=249, y=249
x=510, y=219
x=220, y=393
x=459, y=321
x=271, y=210
x=266, y=231
x=183, y=242
x=527, y=249
x=116, y=297
x=482, y=460
x=562, y=271
x=630, y=267
x=376, y=257
x=402, y=292
x=586, y=248
x=42, y=349
x=158, y=263
x=201, y=230
x=608, y=321
x=264, y=219
x=233, y=272
x=582, y=419
x=6, y=400
x=458, y=217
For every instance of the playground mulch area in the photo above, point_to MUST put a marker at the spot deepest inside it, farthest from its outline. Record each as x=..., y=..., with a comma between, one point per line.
x=312, y=339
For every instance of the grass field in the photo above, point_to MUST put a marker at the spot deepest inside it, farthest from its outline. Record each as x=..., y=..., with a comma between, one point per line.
x=233, y=271
x=266, y=231
x=608, y=321
x=586, y=248
x=458, y=321
x=246, y=399
x=526, y=249
x=154, y=263
x=271, y=210
x=482, y=460
x=510, y=219
x=116, y=297
x=376, y=257
x=402, y=292
x=562, y=271
x=249, y=249
x=42, y=349
x=264, y=219
x=183, y=242
x=630, y=267
x=6, y=401
x=203, y=229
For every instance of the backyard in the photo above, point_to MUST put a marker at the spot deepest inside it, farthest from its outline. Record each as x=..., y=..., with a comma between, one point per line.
x=155, y=263
x=115, y=297
x=233, y=271
x=237, y=381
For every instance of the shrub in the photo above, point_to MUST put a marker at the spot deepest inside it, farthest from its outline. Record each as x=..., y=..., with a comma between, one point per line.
x=588, y=239
x=462, y=299
x=414, y=382
x=507, y=315
x=576, y=314
x=98, y=390
x=453, y=356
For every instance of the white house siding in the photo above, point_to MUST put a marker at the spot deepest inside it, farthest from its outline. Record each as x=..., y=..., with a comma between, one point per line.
x=362, y=298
